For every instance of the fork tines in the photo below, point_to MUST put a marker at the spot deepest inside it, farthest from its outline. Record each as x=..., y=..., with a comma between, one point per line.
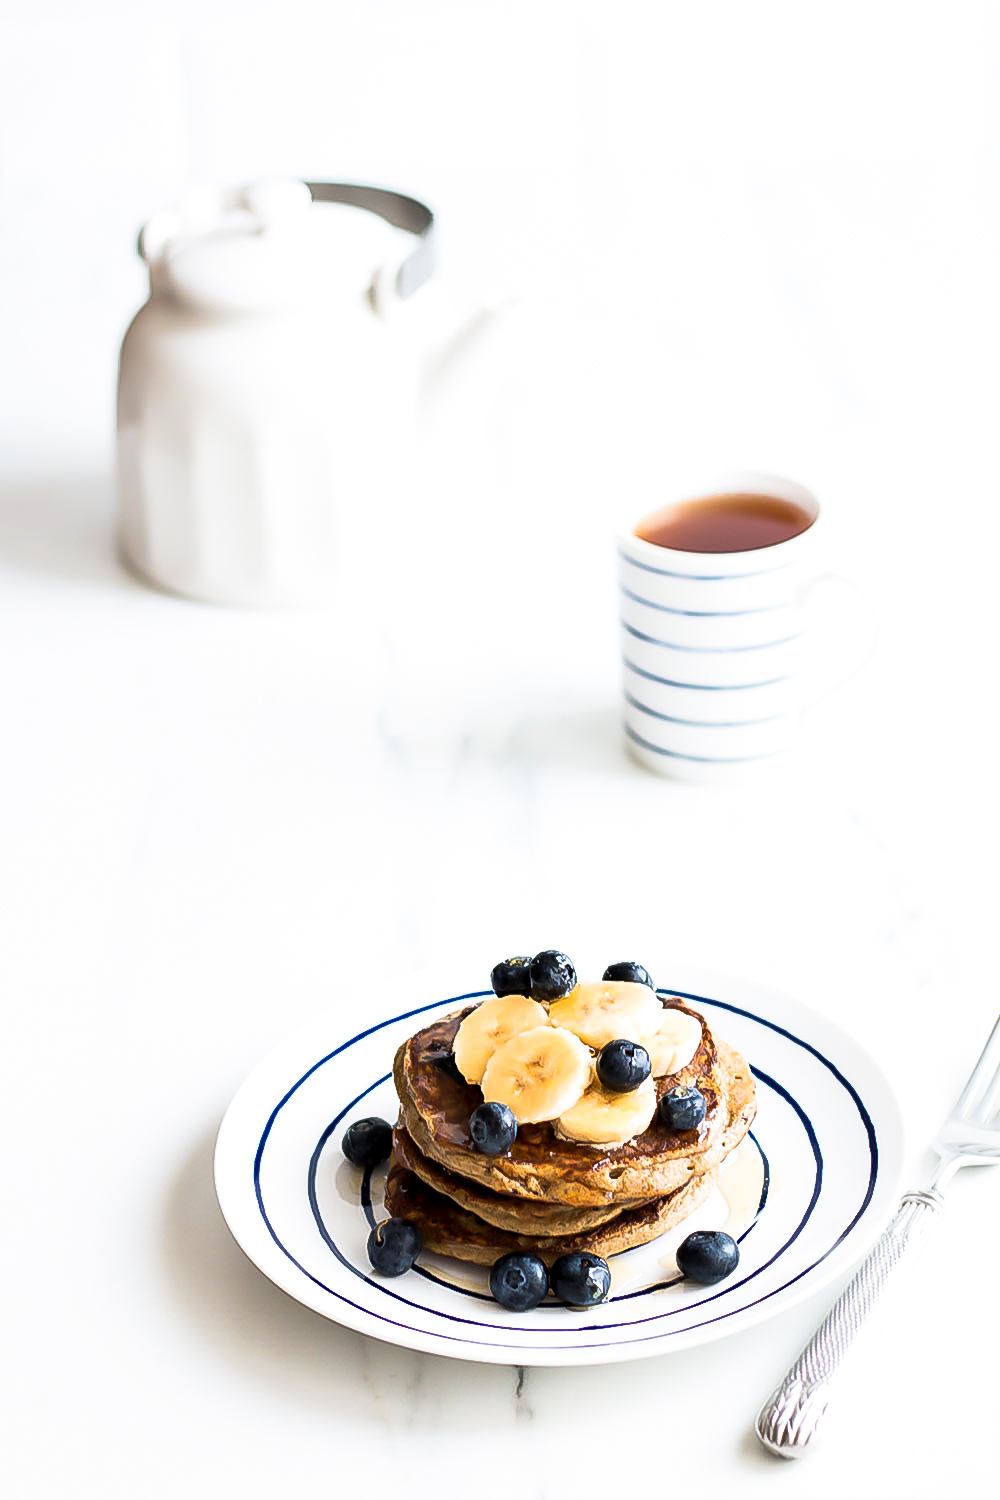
x=980, y=1098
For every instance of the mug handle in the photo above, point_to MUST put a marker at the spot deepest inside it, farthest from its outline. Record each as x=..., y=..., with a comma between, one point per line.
x=838, y=661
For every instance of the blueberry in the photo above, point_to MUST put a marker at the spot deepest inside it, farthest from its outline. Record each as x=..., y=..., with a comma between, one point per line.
x=512, y=977
x=707, y=1256
x=622, y=1066
x=683, y=1108
x=444, y=1058
x=393, y=1246
x=493, y=1129
x=519, y=1281
x=581, y=1279
x=631, y=973
x=368, y=1142
x=552, y=975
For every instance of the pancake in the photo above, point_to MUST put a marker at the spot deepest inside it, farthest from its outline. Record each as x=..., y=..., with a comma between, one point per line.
x=447, y=1229
x=436, y=1106
x=503, y=1210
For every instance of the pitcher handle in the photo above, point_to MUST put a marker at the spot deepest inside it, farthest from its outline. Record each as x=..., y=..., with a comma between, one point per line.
x=402, y=212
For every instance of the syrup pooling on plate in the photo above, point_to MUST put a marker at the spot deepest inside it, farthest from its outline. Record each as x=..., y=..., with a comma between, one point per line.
x=733, y=1207
x=741, y=1182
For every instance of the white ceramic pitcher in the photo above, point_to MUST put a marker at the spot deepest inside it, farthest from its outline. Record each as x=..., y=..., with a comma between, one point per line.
x=272, y=368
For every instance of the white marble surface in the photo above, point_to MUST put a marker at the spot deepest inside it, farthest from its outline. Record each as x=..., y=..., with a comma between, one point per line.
x=216, y=822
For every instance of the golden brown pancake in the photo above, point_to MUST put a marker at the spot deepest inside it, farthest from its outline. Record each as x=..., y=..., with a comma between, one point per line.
x=436, y=1106
x=448, y=1229
x=503, y=1210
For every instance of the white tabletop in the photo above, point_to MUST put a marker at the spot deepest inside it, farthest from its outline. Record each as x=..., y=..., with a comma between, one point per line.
x=216, y=822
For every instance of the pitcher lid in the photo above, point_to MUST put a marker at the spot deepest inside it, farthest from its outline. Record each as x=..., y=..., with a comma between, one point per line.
x=281, y=243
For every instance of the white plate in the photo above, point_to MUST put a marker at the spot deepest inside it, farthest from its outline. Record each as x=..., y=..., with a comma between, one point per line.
x=804, y=1197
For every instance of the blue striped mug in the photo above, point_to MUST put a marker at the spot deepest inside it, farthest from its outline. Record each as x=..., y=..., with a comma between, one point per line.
x=722, y=654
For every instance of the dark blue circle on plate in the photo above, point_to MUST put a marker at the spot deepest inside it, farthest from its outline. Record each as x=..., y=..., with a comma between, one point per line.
x=604, y=1325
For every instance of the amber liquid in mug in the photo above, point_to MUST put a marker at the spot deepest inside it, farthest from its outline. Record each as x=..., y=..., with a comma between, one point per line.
x=725, y=523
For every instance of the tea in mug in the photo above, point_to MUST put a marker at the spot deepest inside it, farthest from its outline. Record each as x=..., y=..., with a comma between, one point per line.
x=725, y=523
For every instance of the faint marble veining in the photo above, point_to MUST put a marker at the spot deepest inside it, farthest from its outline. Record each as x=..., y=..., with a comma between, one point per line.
x=523, y=1409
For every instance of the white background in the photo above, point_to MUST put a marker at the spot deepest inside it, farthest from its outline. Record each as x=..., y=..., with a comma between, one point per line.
x=744, y=232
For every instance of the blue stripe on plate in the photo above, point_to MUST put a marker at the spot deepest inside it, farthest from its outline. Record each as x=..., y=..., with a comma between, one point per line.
x=451, y=1338
x=705, y=760
x=700, y=614
x=705, y=687
x=699, y=577
x=652, y=640
x=644, y=708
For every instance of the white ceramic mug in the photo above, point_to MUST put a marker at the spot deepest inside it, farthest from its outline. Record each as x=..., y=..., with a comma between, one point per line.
x=722, y=653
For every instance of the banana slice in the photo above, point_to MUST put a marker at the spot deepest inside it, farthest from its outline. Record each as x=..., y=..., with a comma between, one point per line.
x=603, y=1119
x=674, y=1045
x=538, y=1074
x=605, y=1012
x=489, y=1026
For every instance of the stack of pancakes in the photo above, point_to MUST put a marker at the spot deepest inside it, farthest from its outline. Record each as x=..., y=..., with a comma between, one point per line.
x=549, y=1195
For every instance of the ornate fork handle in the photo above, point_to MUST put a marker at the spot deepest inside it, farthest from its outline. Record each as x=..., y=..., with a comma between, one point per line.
x=790, y=1418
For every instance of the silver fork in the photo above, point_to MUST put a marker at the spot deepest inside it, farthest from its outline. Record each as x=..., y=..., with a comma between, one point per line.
x=790, y=1418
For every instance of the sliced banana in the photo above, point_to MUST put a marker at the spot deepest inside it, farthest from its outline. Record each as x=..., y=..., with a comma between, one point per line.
x=604, y=1119
x=605, y=1012
x=538, y=1074
x=489, y=1026
x=674, y=1045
